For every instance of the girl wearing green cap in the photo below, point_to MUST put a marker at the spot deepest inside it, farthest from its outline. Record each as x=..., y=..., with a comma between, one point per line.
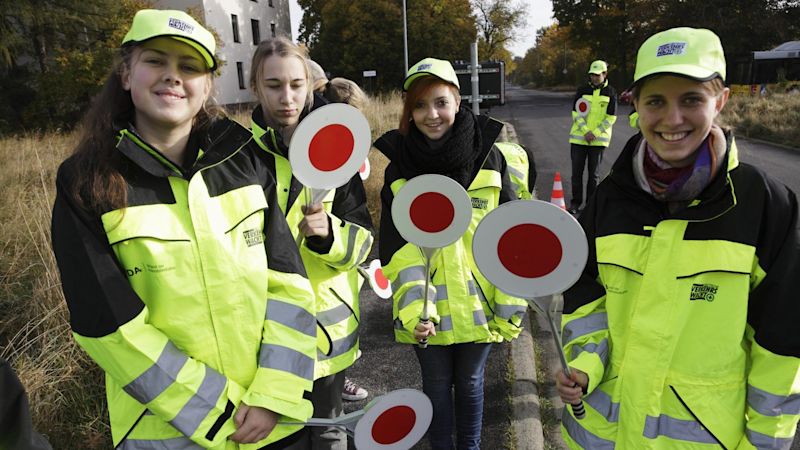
x=682, y=331
x=164, y=229
x=438, y=135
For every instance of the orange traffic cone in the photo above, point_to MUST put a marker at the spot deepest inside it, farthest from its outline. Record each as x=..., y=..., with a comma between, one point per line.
x=558, y=193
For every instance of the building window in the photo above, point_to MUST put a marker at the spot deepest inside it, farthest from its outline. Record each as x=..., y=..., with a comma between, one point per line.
x=235, y=27
x=256, y=31
x=270, y=4
x=272, y=28
x=240, y=72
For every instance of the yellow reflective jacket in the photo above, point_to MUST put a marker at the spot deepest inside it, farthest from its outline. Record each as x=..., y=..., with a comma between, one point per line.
x=467, y=308
x=193, y=298
x=331, y=265
x=520, y=167
x=599, y=119
x=686, y=322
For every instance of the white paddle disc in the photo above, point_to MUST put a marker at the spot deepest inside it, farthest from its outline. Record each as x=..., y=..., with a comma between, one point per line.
x=431, y=211
x=530, y=248
x=329, y=146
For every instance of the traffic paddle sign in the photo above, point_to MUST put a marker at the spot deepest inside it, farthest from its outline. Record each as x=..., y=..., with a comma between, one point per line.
x=431, y=211
x=530, y=248
x=582, y=107
x=329, y=145
x=377, y=280
x=364, y=170
x=395, y=421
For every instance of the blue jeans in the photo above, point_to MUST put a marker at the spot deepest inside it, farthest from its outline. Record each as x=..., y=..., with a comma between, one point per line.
x=461, y=366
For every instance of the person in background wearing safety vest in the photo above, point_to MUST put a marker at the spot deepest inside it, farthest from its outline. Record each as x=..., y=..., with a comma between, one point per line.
x=438, y=135
x=180, y=273
x=335, y=235
x=682, y=331
x=593, y=115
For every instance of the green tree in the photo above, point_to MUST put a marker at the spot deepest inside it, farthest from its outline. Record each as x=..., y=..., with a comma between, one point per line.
x=347, y=37
x=497, y=21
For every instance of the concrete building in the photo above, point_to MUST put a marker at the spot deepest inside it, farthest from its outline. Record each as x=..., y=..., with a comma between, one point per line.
x=239, y=25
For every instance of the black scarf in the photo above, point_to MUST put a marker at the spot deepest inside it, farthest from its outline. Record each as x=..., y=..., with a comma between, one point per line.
x=456, y=158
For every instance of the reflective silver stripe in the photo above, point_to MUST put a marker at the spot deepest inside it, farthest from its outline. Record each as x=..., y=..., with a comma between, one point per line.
x=601, y=402
x=334, y=315
x=584, y=438
x=471, y=289
x=410, y=296
x=364, y=249
x=479, y=292
x=515, y=172
x=441, y=292
x=351, y=244
x=508, y=311
x=398, y=324
x=768, y=404
x=158, y=377
x=478, y=317
x=291, y=316
x=601, y=349
x=200, y=405
x=278, y=357
x=445, y=323
x=180, y=443
x=684, y=430
x=585, y=325
x=340, y=346
x=764, y=442
x=413, y=273
x=578, y=137
x=601, y=139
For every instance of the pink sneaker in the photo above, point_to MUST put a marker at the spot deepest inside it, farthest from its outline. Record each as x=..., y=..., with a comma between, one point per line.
x=353, y=392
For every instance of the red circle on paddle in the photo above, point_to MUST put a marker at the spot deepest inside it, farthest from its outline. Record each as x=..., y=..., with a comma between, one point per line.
x=331, y=147
x=431, y=212
x=393, y=424
x=582, y=107
x=529, y=250
x=380, y=279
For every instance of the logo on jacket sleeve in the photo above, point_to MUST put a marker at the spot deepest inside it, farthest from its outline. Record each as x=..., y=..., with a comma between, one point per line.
x=253, y=237
x=479, y=203
x=703, y=292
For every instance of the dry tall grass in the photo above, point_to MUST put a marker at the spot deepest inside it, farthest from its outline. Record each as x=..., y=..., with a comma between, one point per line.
x=772, y=118
x=65, y=388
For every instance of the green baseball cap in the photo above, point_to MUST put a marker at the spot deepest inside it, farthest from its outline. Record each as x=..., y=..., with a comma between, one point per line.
x=152, y=23
x=690, y=52
x=598, y=67
x=431, y=66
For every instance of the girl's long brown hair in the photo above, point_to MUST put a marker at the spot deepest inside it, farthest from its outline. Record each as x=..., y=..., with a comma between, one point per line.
x=99, y=185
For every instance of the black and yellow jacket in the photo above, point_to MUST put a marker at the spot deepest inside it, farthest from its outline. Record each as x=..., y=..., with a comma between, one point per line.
x=467, y=308
x=687, y=322
x=599, y=119
x=193, y=298
x=332, y=264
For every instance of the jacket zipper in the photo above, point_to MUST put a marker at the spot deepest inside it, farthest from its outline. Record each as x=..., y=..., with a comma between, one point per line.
x=696, y=418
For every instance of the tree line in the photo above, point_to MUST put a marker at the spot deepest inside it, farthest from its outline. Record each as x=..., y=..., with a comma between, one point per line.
x=613, y=30
x=55, y=54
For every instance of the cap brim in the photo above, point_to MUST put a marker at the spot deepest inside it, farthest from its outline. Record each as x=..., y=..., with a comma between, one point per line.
x=410, y=79
x=208, y=58
x=596, y=72
x=211, y=62
x=691, y=72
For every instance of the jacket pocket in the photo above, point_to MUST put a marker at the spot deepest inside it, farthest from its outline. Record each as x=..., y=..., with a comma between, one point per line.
x=719, y=410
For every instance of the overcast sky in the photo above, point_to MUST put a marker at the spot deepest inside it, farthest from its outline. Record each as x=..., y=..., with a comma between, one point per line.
x=540, y=14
